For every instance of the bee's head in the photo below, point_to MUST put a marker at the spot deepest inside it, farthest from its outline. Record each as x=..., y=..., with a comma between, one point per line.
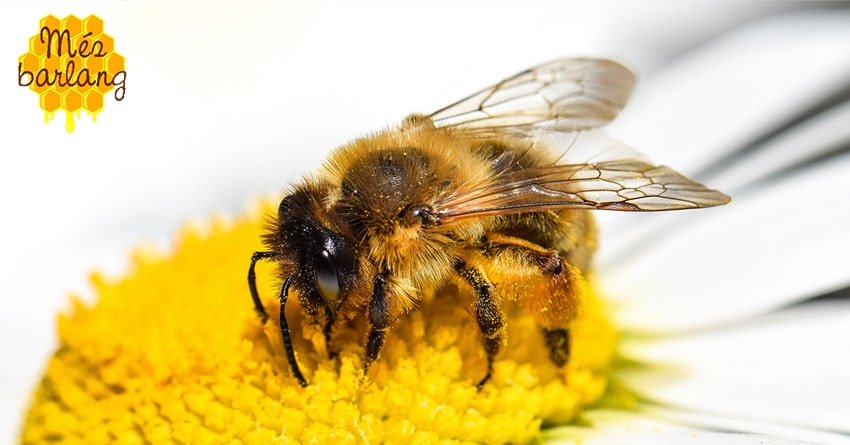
x=312, y=250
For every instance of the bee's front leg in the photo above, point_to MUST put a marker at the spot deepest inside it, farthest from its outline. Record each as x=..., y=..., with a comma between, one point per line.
x=330, y=318
x=488, y=314
x=379, y=319
x=261, y=312
x=287, y=340
x=252, y=284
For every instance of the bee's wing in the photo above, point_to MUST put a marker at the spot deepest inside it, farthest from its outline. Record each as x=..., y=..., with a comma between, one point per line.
x=552, y=106
x=629, y=184
x=562, y=95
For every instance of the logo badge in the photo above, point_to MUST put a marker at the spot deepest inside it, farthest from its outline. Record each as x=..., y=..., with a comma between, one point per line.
x=71, y=64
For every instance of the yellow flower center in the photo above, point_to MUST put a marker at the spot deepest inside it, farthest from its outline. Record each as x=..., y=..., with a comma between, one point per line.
x=174, y=352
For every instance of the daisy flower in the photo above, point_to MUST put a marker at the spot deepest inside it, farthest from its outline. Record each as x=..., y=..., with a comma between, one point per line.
x=699, y=327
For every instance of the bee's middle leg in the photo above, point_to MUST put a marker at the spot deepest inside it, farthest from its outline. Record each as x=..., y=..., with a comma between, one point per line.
x=491, y=320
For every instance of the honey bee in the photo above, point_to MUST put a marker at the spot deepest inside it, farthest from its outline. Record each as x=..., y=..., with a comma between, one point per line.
x=484, y=193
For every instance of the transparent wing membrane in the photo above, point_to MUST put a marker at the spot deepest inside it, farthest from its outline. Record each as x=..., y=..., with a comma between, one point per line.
x=629, y=185
x=562, y=95
x=556, y=107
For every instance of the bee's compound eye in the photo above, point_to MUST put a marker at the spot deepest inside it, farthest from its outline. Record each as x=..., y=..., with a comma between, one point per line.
x=327, y=276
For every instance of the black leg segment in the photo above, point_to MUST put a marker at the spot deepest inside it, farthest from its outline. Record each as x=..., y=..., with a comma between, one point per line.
x=378, y=319
x=491, y=320
x=326, y=330
x=284, y=331
x=252, y=283
x=558, y=342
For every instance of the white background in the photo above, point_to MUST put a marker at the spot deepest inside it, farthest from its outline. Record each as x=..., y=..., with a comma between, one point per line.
x=229, y=101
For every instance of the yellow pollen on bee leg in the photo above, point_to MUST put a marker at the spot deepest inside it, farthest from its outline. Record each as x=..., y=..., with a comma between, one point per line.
x=174, y=352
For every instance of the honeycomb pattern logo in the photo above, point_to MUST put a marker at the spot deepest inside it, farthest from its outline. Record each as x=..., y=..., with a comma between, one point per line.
x=71, y=64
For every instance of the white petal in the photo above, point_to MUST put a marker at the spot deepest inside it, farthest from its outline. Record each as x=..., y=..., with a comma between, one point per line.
x=803, y=143
x=788, y=368
x=719, y=100
x=808, y=141
x=745, y=84
x=606, y=425
x=769, y=248
x=645, y=428
x=789, y=434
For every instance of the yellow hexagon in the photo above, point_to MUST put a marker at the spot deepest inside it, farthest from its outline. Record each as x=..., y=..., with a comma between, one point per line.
x=94, y=65
x=73, y=25
x=61, y=89
x=49, y=100
x=37, y=47
x=51, y=64
x=83, y=44
x=107, y=80
x=51, y=21
x=39, y=88
x=94, y=25
x=29, y=62
x=60, y=76
x=72, y=100
x=115, y=63
x=93, y=101
x=38, y=43
x=107, y=42
x=75, y=43
x=81, y=82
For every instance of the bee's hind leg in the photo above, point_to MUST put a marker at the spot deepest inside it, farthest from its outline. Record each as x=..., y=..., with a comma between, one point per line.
x=550, y=287
x=488, y=314
x=558, y=342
